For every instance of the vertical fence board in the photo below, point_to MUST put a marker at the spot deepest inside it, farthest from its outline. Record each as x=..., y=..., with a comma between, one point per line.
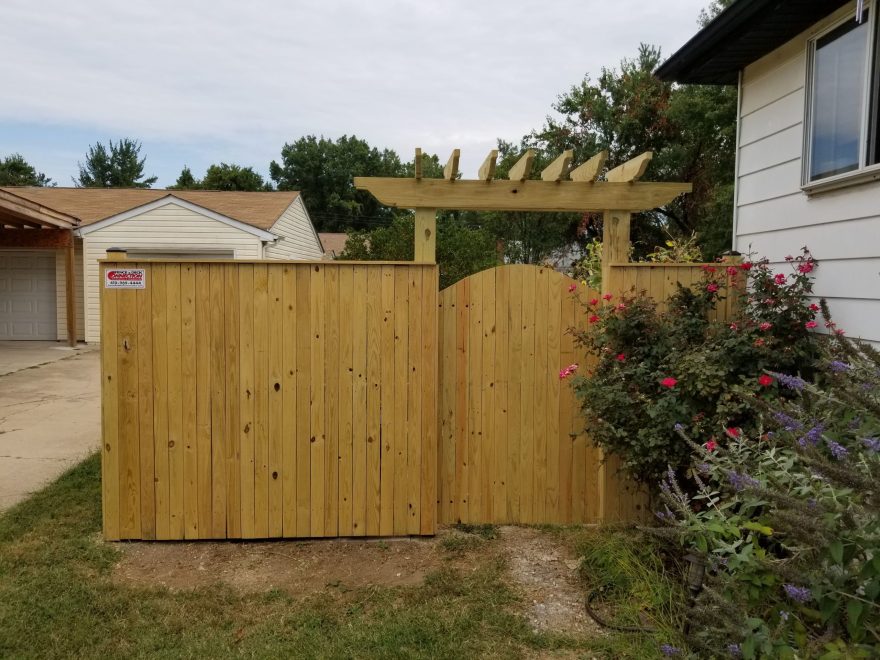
x=288, y=400
x=401, y=397
x=414, y=436
x=331, y=401
x=360, y=401
x=387, y=386
x=109, y=416
x=129, y=440
x=145, y=414
x=261, y=401
x=375, y=397
x=203, y=399
x=276, y=401
x=346, y=386
x=246, y=397
x=175, y=403
x=429, y=355
x=501, y=436
x=157, y=281
x=232, y=419
x=462, y=411
x=188, y=385
x=486, y=436
x=318, y=436
x=303, y=401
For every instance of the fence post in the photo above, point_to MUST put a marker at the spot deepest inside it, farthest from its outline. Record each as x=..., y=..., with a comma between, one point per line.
x=117, y=254
x=735, y=283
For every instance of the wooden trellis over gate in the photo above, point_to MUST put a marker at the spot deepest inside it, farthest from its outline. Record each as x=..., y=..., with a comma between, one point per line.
x=263, y=399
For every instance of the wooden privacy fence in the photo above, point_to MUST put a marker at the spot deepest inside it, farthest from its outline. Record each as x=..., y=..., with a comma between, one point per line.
x=269, y=399
x=292, y=399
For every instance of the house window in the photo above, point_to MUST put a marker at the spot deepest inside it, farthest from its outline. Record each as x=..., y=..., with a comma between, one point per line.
x=843, y=131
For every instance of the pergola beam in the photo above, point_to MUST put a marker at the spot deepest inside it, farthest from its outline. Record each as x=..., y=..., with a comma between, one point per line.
x=588, y=171
x=562, y=196
x=487, y=169
x=558, y=169
x=450, y=172
x=631, y=170
x=417, y=164
x=523, y=167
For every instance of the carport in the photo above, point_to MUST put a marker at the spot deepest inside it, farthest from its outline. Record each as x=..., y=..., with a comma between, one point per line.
x=25, y=227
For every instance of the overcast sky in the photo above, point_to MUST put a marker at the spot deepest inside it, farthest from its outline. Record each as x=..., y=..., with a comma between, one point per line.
x=223, y=80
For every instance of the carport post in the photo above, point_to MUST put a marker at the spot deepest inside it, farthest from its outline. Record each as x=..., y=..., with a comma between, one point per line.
x=70, y=290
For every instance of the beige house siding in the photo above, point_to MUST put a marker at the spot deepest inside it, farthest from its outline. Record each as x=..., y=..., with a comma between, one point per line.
x=61, y=290
x=169, y=227
x=774, y=217
x=297, y=237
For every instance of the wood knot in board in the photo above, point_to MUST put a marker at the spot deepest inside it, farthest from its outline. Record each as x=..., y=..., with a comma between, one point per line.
x=274, y=475
x=170, y=444
x=126, y=345
x=277, y=387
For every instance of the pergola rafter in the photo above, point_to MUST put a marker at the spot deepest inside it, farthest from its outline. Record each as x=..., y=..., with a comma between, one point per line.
x=561, y=188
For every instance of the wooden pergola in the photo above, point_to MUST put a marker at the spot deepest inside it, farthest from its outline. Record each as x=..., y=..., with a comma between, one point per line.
x=26, y=225
x=562, y=187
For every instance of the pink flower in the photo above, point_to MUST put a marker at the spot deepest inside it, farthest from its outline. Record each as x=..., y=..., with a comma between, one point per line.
x=669, y=382
x=621, y=357
x=765, y=326
x=711, y=446
x=708, y=269
x=568, y=371
x=839, y=332
x=712, y=288
x=780, y=278
x=607, y=296
x=746, y=265
x=814, y=307
x=811, y=324
x=765, y=381
x=733, y=432
x=621, y=307
x=734, y=326
x=806, y=267
x=594, y=301
x=759, y=342
x=593, y=319
x=572, y=288
x=731, y=271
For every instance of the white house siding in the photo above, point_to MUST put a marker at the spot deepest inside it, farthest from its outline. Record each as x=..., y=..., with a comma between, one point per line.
x=170, y=227
x=61, y=290
x=775, y=218
x=298, y=239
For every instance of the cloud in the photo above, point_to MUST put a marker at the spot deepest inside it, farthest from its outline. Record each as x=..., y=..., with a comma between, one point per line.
x=232, y=77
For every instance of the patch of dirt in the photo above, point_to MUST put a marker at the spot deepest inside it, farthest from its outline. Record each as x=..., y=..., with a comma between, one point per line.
x=298, y=567
x=544, y=570
x=540, y=567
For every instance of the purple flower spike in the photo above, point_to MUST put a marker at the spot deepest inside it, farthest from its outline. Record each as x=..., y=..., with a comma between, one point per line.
x=837, y=450
x=791, y=382
x=797, y=594
x=668, y=650
x=734, y=650
x=839, y=367
x=741, y=481
x=871, y=444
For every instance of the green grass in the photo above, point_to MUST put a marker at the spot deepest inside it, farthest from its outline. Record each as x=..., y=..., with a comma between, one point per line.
x=57, y=601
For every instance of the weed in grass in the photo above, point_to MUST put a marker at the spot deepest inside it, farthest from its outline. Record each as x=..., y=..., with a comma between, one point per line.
x=459, y=544
x=484, y=531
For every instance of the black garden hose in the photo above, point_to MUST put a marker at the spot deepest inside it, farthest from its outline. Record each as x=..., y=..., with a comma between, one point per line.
x=588, y=605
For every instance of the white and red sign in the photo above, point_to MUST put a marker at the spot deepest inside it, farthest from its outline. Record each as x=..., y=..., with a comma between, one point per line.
x=125, y=278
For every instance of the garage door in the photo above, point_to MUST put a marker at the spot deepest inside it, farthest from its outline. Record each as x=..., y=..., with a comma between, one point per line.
x=27, y=295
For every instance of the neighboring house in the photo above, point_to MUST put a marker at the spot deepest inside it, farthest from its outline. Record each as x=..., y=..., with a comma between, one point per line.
x=42, y=228
x=334, y=243
x=808, y=138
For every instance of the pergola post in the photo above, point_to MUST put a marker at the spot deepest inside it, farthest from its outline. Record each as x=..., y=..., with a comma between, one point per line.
x=615, y=246
x=426, y=236
x=70, y=290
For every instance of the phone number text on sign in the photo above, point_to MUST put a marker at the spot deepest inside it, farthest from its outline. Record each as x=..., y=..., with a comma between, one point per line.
x=125, y=278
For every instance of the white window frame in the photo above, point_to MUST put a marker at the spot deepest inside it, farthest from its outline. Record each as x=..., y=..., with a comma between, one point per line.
x=864, y=172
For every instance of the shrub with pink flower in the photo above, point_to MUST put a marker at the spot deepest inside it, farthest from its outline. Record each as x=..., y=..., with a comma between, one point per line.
x=658, y=369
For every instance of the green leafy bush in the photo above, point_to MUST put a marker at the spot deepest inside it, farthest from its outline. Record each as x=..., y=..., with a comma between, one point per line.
x=658, y=369
x=787, y=520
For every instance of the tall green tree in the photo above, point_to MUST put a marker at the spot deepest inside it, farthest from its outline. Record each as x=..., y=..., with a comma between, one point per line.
x=225, y=176
x=461, y=249
x=117, y=166
x=16, y=171
x=323, y=170
x=690, y=129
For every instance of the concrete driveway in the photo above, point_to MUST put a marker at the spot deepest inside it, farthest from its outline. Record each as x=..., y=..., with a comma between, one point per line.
x=50, y=413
